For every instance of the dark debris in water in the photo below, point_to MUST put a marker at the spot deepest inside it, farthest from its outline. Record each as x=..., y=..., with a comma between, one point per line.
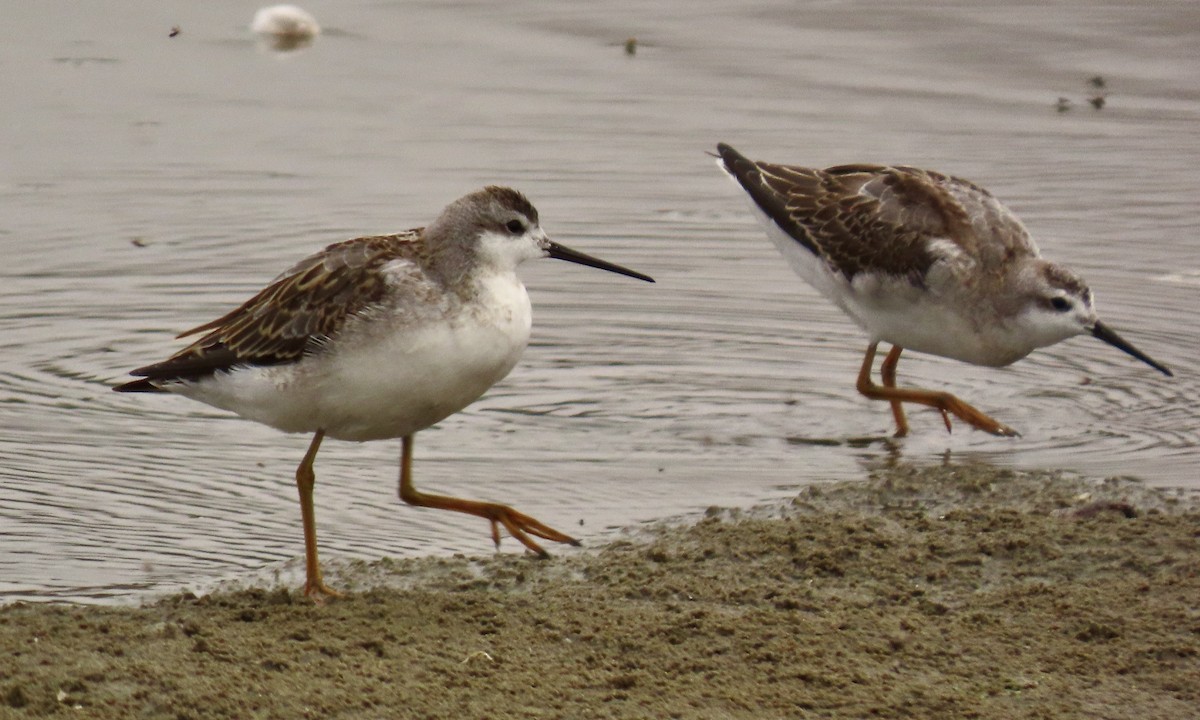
x=816, y=442
x=854, y=442
x=1096, y=99
x=78, y=61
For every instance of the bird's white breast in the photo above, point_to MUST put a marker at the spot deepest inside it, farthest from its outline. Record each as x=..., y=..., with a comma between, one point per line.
x=389, y=374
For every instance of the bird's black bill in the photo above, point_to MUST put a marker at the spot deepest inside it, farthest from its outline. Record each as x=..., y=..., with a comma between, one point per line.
x=1102, y=332
x=560, y=252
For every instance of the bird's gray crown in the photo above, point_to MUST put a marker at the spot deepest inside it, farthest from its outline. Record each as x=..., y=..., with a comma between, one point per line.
x=1060, y=277
x=487, y=209
x=505, y=198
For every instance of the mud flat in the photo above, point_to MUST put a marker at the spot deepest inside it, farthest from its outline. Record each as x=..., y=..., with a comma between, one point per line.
x=956, y=591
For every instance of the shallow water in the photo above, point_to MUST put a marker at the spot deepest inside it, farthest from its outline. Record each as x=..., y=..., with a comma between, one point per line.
x=151, y=183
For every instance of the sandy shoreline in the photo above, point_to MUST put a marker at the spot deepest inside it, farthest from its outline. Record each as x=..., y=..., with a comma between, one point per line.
x=950, y=592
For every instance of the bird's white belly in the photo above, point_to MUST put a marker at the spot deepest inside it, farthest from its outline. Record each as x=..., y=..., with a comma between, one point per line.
x=383, y=380
x=897, y=312
x=803, y=262
x=404, y=384
x=911, y=320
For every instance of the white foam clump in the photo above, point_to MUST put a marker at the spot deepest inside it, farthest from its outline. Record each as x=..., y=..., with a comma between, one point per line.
x=285, y=22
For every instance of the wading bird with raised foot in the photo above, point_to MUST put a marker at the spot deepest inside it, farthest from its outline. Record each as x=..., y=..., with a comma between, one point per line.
x=377, y=338
x=922, y=261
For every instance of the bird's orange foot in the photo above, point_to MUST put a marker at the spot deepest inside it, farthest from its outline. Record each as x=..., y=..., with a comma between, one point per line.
x=316, y=590
x=948, y=404
x=521, y=526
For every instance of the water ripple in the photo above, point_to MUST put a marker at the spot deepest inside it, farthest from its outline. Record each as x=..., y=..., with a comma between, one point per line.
x=142, y=205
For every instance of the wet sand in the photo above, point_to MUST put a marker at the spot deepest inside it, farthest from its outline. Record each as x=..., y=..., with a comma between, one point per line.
x=947, y=592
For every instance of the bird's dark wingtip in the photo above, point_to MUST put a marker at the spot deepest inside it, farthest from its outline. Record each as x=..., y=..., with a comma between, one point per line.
x=139, y=385
x=735, y=164
x=722, y=149
x=727, y=154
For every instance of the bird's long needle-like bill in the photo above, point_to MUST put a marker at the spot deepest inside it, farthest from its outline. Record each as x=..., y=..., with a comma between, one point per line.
x=560, y=252
x=1103, y=332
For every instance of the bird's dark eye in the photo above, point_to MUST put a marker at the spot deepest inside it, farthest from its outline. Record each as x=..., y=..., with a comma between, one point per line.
x=516, y=227
x=1060, y=304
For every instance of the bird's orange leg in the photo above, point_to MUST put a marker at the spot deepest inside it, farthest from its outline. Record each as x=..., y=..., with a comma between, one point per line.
x=887, y=370
x=519, y=525
x=943, y=401
x=314, y=587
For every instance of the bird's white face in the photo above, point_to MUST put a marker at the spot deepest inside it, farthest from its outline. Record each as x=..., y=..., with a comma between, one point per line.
x=1058, y=306
x=504, y=231
x=1059, y=314
x=510, y=240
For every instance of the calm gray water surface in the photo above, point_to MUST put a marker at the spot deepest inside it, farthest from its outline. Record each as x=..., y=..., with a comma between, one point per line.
x=150, y=183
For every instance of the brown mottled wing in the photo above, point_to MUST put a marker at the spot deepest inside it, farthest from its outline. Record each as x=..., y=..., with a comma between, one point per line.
x=295, y=313
x=866, y=218
x=977, y=222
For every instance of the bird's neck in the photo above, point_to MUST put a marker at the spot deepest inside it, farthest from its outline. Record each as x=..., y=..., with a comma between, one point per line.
x=451, y=267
